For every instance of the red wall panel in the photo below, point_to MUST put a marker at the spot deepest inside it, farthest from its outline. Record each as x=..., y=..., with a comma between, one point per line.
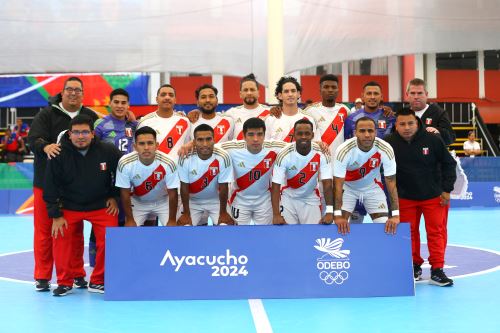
x=186, y=85
x=492, y=85
x=457, y=85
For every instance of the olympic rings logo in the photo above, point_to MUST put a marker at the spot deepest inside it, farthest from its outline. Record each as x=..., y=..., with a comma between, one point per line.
x=333, y=277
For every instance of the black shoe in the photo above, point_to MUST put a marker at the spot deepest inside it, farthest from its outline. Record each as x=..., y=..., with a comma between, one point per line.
x=96, y=288
x=438, y=278
x=62, y=290
x=42, y=285
x=417, y=272
x=80, y=283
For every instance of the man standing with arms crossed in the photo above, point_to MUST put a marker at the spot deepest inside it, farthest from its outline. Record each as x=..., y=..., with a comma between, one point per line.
x=42, y=137
x=425, y=177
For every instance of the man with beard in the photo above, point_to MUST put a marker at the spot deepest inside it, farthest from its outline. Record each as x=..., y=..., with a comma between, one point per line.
x=434, y=119
x=206, y=97
x=298, y=168
x=42, y=138
x=205, y=175
x=79, y=185
x=172, y=130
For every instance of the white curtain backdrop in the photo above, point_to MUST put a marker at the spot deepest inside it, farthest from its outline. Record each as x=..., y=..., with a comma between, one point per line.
x=230, y=36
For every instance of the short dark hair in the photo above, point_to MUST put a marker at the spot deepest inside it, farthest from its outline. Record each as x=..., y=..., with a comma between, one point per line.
x=328, y=77
x=81, y=119
x=145, y=130
x=73, y=78
x=416, y=82
x=205, y=86
x=253, y=123
x=249, y=77
x=281, y=83
x=372, y=84
x=119, y=91
x=365, y=119
x=166, y=85
x=303, y=121
x=406, y=112
x=203, y=128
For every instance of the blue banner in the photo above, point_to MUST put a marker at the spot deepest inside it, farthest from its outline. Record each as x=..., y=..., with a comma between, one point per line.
x=304, y=261
x=479, y=194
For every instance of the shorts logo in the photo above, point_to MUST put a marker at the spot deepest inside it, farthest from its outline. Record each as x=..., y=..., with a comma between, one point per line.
x=267, y=163
x=334, y=264
x=373, y=162
x=103, y=166
x=158, y=175
x=221, y=129
x=428, y=121
x=313, y=166
x=425, y=151
x=214, y=171
x=128, y=132
x=382, y=124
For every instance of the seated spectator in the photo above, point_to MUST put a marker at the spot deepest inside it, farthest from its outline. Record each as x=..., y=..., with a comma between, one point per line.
x=21, y=128
x=358, y=104
x=471, y=147
x=13, y=147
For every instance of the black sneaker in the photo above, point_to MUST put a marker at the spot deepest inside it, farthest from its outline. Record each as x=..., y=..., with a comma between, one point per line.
x=438, y=278
x=80, y=283
x=42, y=285
x=96, y=288
x=62, y=290
x=417, y=272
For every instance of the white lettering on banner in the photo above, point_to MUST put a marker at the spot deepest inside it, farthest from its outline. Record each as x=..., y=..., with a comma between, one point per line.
x=334, y=264
x=222, y=265
x=496, y=193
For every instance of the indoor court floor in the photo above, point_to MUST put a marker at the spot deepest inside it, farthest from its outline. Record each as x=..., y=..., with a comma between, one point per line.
x=471, y=305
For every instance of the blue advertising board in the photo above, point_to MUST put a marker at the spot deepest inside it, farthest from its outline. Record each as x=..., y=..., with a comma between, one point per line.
x=293, y=261
x=479, y=194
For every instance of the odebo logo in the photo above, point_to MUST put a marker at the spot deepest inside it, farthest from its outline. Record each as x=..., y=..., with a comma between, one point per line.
x=334, y=265
x=222, y=265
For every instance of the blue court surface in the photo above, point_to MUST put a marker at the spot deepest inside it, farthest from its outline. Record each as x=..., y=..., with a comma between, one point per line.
x=471, y=305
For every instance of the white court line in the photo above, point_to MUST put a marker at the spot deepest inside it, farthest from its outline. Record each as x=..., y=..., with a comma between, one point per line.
x=259, y=315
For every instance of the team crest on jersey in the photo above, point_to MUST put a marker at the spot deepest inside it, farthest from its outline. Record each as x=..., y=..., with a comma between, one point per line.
x=313, y=166
x=425, y=151
x=382, y=123
x=221, y=129
x=267, y=162
x=128, y=132
x=428, y=121
x=180, y=128
x=158, y=175
x=214, y=171
x=373, y=162
x=103, y=166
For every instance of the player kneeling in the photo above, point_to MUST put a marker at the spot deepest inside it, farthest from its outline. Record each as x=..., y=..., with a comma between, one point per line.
x=152, y=176
x=356, y=171
x=205, y=175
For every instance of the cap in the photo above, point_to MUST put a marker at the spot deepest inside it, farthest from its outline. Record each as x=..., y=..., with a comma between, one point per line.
x=358, y=100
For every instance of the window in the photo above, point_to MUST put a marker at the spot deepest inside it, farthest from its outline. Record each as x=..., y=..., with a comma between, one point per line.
x=492, y=59
x=456, y=60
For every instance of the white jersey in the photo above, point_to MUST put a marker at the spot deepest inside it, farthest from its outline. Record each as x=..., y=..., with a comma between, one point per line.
x=360, y=169
x=330, y=123
x=252, y=173
x=149, y=183
x=171, y=133
x=299, y=174
x=204, y=176
x=223, y=127
x=281, y=129
x=240, y=114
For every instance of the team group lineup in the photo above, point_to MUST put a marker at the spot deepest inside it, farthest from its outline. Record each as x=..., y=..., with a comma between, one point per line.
x=249, y=165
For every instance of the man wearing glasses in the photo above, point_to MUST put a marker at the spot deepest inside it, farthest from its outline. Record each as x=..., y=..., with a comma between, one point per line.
x=42, y=139
x=79, y=185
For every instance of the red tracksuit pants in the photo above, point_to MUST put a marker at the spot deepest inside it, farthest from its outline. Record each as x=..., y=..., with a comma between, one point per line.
x=42, y=242
x=436, y=218
x=64, y=249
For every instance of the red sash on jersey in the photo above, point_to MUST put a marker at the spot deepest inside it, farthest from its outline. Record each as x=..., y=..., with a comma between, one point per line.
x=175, y=133
x=206, y=178
x=372, y=163
x=263, y=114
x=221, y=129
x=150, y=183
x=246, y=181
x=335, y=127
x=303, y=177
